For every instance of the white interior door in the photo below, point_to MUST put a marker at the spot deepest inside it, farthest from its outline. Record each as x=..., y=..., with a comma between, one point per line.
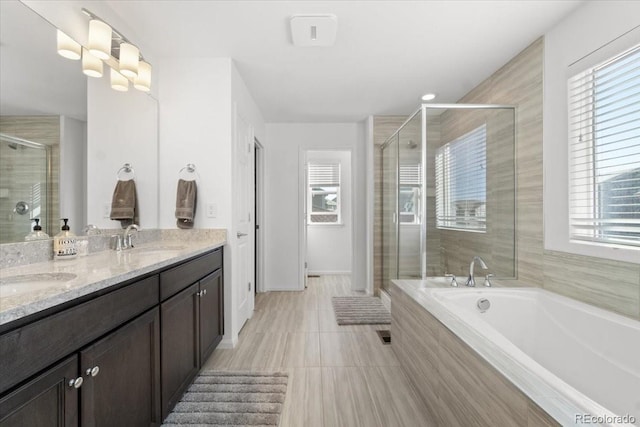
x=243, y=219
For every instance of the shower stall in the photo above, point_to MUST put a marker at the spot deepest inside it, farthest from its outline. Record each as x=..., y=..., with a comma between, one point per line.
x=25, y=187
x=448, y=187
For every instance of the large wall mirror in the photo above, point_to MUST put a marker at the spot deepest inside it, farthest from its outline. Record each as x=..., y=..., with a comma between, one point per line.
x=64, y=136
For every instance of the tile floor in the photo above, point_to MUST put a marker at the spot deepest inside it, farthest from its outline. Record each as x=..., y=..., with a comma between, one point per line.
x=338, y=375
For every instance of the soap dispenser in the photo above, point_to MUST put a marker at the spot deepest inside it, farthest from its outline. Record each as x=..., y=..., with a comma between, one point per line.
x=65, y=244
x=37, y=233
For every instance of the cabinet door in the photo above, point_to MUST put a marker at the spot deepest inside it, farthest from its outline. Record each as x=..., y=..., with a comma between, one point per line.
x=180, y=345
x=211, y=313
x=121, y=376
x=47, y=400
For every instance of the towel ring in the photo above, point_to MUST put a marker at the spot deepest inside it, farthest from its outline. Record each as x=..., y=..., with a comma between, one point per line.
x=126, y=169
x=190, y=173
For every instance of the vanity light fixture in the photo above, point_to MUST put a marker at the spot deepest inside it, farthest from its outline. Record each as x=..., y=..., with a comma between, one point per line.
x=118, y=81
x=129, y=60
x=68, y=47
x=100, y=39
x=91, y=65
x=143, y=80
x=107, y=45
x=428, y=96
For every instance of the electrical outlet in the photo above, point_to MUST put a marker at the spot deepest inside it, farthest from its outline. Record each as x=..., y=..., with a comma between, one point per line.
x=106, y=210
x=212, y=210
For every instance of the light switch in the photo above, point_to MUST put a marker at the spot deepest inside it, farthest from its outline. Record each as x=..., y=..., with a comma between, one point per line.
x=212, y=210
x=106, y=210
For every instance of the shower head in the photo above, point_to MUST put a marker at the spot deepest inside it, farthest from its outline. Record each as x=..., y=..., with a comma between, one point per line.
x=13, y=145
x=411, y=144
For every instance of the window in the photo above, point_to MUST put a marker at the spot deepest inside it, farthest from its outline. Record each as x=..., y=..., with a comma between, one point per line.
x=604, y=144
x=409, y=197
x=324, y=193
x=461, y=182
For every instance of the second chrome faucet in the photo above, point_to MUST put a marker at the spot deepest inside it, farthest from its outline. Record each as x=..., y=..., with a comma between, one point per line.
x=471, y=279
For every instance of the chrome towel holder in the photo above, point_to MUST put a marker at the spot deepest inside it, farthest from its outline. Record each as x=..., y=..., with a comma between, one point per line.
x=126, y=169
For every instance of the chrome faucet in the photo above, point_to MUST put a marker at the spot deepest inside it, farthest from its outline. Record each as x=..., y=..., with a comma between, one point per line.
x=470, y=280
x=126, y=236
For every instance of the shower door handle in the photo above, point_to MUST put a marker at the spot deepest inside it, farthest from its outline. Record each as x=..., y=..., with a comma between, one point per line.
x=394, y=218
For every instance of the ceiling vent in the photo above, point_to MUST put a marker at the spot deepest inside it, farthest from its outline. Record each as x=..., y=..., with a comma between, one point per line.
x=314, y=30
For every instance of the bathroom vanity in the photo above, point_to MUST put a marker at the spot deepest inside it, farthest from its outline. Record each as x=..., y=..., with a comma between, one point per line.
x=121, y=354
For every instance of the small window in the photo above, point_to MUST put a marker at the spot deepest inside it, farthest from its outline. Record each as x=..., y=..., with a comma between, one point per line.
x=324, y=193
x=409, y=196
x=461, y=182
x=604, y=152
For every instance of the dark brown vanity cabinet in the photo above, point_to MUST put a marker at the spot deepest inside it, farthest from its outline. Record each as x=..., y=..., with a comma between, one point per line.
x=192, y=323
x=50, y=399
x=98, y=362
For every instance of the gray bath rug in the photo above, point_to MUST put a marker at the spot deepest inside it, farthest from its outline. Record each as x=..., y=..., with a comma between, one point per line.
x=360, y=310
x=227, y=398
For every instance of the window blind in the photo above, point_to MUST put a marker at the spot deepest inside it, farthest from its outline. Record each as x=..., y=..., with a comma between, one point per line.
x=461, y=182
x=324, y=175
x=604, y=151
x=411, y=174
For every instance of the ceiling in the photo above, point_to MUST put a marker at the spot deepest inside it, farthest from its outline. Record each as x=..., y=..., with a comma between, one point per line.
x=387, y=53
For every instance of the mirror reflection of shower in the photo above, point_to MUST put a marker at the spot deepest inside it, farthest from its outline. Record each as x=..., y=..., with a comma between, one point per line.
x=24, y=186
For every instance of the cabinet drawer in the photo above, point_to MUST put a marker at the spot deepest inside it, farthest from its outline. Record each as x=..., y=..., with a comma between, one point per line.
x=176, y=279
x=33, y=347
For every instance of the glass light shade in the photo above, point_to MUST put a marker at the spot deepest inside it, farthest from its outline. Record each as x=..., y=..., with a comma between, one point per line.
x=143, y=80
x=91, y=65
x=129, y=61
x=118, y=81
x=68, y=47
x=99, y=39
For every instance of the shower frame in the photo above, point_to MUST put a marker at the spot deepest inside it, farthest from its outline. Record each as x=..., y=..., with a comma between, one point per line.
x=422, y=110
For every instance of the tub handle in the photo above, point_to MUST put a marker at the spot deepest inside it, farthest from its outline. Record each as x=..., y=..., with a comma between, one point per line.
x=454, y=283
x=487, y=280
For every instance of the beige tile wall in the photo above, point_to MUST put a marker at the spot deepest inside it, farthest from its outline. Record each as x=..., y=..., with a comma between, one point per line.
x=612, y=285
x=18, y=170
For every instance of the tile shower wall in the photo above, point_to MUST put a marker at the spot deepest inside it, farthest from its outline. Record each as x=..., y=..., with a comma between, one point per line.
x=612, y=285
x=19, y=168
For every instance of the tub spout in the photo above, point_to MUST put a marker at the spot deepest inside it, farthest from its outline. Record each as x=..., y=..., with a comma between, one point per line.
x=471, y=280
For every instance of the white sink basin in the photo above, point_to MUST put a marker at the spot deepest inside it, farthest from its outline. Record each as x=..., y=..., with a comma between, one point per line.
x=27, y=283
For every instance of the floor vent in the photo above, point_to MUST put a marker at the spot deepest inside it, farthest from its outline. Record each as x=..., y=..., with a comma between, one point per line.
x=385, y=336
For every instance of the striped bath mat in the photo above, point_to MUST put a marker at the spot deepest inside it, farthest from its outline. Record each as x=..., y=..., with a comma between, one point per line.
x=360, y=310
x=218, y=398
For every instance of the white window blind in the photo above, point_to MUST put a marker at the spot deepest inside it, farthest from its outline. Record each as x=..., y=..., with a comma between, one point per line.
x=410, y=191
x=324, y=193
x=461, y=182
x=604, y=152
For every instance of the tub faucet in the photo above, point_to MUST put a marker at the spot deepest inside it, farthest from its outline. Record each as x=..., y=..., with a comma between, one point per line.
x=126, y=236
x=470, y=280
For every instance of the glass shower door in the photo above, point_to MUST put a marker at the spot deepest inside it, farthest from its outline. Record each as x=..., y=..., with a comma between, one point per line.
x=410, y=171
x=389, y=212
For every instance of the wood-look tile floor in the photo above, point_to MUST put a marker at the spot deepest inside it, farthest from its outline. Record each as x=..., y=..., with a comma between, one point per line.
x=339, y=376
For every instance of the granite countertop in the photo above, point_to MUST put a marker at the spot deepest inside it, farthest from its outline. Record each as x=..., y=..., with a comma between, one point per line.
x=95, y=272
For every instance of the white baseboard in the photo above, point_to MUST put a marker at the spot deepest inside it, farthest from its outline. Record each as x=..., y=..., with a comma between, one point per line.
x=385, y=298
x=324, y=273
x=228, y=342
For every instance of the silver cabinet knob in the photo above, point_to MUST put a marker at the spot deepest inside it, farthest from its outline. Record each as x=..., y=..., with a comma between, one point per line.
x=76, y=382
x=204, y=292
x=93, y=371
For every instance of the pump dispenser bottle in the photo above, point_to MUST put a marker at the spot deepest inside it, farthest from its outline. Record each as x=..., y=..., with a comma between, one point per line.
x=65, y=244
x=37, y=233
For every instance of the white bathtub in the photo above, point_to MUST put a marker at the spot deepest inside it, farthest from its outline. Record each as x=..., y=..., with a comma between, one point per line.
x=586, y=356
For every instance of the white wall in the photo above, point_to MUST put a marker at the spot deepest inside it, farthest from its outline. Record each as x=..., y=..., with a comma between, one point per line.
x=197, y=98
x=122, y=127
x=73, y=172
x=565, y=44
x=329, y=247
x=285, y=140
